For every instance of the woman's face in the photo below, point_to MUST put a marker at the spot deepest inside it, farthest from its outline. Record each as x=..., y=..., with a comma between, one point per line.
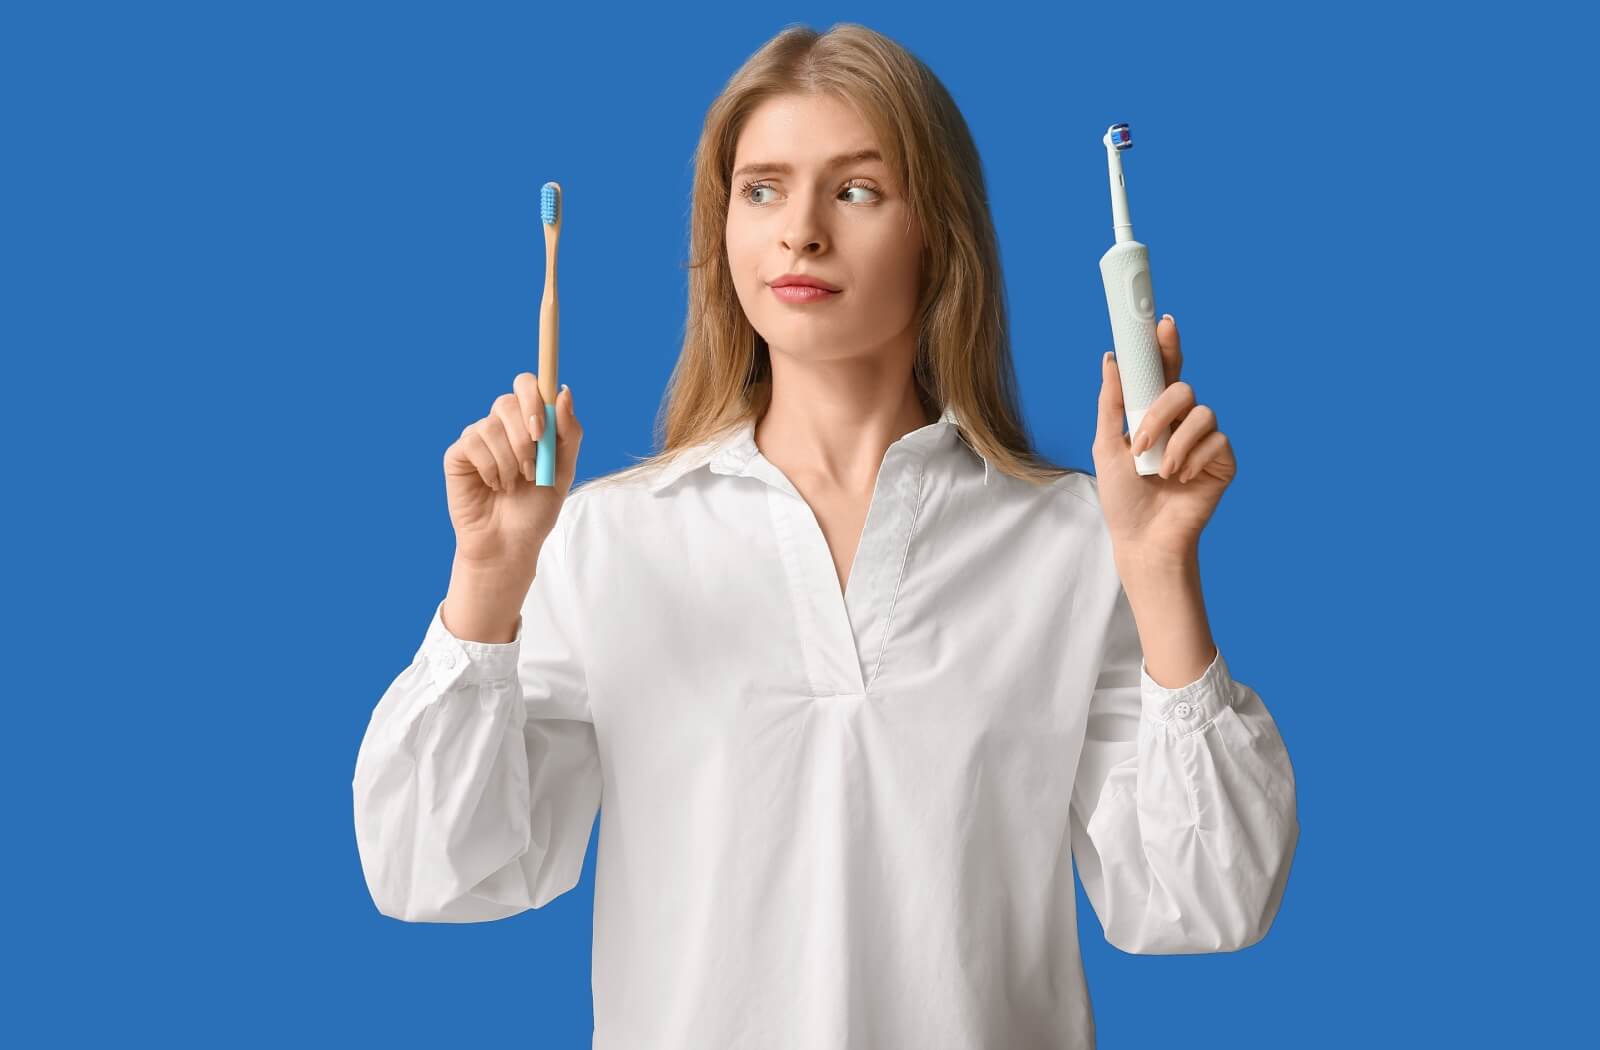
x=843, y=221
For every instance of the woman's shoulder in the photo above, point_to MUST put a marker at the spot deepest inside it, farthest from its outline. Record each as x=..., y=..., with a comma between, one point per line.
x=1071, y=489
x=607, y=500
x=1077, y=485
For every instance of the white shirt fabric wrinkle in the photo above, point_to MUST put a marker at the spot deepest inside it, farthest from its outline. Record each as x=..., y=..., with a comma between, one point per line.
x=832, y=819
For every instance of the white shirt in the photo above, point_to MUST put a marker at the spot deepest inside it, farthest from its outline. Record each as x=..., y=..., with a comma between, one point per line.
x=831, y=820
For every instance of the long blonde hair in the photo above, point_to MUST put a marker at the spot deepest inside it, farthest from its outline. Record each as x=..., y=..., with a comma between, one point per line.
x=723, y=376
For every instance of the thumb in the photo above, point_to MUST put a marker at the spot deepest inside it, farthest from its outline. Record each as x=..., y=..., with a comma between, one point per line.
x=567, y=425
x=1109, y=427
x=569, y=436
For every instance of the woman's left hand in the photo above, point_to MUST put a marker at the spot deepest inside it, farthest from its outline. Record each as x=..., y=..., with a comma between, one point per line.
x=1155, y=521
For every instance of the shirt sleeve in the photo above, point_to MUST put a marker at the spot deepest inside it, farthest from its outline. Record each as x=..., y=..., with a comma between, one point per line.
x=1183, y=814
x=478, y=779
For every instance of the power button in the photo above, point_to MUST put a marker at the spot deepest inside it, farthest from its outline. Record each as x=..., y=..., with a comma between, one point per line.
x=1143, y=299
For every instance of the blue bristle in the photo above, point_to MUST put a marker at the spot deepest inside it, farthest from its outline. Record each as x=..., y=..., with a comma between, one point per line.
x=549, y=203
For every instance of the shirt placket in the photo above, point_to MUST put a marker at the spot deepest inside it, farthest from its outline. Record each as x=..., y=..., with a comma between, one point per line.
x=842, y=634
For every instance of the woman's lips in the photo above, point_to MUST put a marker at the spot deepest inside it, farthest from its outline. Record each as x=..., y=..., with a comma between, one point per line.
x=801, y=293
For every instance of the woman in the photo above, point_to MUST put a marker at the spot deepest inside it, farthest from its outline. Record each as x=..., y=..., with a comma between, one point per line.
x=852, y=668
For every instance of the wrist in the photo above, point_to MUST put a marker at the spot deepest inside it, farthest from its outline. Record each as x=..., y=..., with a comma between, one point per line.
x=1163, y=569
x=483, y=602
x=1169, y=612
x=508, y=569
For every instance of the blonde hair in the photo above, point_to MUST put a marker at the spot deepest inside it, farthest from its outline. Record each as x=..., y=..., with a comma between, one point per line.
x=723, y=376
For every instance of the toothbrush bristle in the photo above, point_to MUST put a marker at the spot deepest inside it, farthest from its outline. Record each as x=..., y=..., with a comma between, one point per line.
x=549, y=203
x=1121, y=136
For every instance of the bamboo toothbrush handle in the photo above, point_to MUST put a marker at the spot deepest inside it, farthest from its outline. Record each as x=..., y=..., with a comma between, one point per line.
x=549, y=324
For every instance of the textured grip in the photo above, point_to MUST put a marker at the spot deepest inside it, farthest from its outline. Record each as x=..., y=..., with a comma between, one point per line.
x=1130, y=300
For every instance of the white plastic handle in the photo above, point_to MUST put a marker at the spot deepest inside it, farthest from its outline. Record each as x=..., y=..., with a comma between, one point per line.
x=1125, y=269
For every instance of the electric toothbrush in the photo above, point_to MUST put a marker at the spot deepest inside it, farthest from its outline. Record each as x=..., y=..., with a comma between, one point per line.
x=1125, y=269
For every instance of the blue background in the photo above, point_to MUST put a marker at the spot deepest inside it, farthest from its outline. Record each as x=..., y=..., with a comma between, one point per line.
x=263, y=262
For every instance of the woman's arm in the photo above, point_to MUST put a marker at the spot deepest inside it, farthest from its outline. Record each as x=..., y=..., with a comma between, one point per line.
x=478, y=779
x=1184, y=817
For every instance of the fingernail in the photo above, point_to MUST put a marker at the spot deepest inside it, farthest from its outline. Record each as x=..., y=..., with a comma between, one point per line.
x=1170, y=318
x=1106, y=360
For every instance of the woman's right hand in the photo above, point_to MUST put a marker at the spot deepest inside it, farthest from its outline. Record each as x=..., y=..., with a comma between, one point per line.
x=500, y=516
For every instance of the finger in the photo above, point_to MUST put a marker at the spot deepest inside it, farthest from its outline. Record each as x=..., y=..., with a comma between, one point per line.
x=1207, y=450
x=493, y=433
x=1171, y=404
x=1197, y=423
x=531, y=402
x=569, y=436
x=482, y=460
x=1108, y=426
x=508, y=410
x=1171, y=348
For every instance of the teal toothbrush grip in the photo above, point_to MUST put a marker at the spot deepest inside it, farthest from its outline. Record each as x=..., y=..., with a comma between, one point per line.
x=545, y=470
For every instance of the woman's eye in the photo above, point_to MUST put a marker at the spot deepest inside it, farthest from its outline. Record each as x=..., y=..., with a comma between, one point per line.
x=749, y=189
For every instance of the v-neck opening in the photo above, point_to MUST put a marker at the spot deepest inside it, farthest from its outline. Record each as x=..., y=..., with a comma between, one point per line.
x=845, y=629
x=843, y=632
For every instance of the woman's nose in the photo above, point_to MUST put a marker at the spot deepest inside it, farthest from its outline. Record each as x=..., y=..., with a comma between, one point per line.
x=810, y=247
x=804, y=231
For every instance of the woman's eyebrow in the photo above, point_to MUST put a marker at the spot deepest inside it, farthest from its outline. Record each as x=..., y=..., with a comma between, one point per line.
x=769, y=167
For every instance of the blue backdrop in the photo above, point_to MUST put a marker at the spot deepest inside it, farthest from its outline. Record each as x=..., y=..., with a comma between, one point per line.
x=263, y=262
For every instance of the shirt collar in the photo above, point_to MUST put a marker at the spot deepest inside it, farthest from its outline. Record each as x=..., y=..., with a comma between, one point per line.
x=732, y=452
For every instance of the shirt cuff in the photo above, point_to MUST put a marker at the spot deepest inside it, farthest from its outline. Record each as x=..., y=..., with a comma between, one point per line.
x=452, y=659
x=1188, y=708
